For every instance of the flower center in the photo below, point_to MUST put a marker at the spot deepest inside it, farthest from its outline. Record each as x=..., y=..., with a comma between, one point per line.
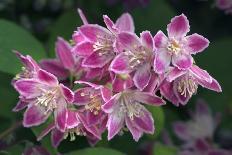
x=95, y=103
x=103, y=45
x=77, y=131
x=47, y=99
x=187, y=86
x=174, y=47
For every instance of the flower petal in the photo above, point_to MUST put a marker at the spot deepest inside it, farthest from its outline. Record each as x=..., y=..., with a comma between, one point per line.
x=34, y=116
x=61, y=114
x=83, y=49
x=81, y=96
x=93, y=31
x=82, y=16
x=178, y=27
x=148, y=98
x=49, y=128
x=136, y=133
x=109, y=106
x=114, y=124
x=181, y=131
x=142, y=76
x=147, y=40
x=125, y=23
x=127, y=40
x=27, y=61
x=162, y=61
x=72, y=120
x=47, y=78
x=110, y=24
x=145, y=121
x=160, y=40
x=182, y=61
x=120, y=64
x=55, y=67
x=183, y=98
x=106, y=94
x=174, y=73
x=20, y=106
x=122, y=82
x=214, y=85
x=78, y=38
x=68, y=94
x=153, y=83
x=97, y=61
x=200, y=73
x=63, y=52
x=56, y=137
x=166, y=90
x=196, y=43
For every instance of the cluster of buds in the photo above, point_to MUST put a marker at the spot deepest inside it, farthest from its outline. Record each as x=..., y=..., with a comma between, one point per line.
x=103, y=78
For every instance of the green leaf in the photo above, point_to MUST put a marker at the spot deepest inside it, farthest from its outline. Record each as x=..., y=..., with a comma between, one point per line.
x=158, y=115
x=160, y=149
x=154, y=17
x=96, y=151
x=13, y=37
x=63, y=27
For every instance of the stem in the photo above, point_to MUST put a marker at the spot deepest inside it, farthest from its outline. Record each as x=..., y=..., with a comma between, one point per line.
x=11, y=129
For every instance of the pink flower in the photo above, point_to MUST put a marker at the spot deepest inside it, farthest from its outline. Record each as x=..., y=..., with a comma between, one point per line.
x=125, y=108
x=177, y=48
x=225, y=5
x=180, y=85
x=44, y=95
x=136, y=57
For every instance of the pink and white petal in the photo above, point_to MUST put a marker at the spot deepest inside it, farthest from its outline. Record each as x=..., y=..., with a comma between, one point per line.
x=47, y=78
x=82, y=16
x=93, y=119
x=120, y=64
x=114, y=124
x=153, y=83
x=122, y=82
x=214, y=85
x=200, y=73
x=27, y=61
x=34, y=116
x=196, y=43
x=83, y=49
x=162, y=61
x=78, y=38
x=55, y=67
x=46, y=131
x=106, y=94
x=56, y=137
x=68, y=94
x=174, y=73
x=27, y=88
x=136, y=133
x=182, y=61
x=61, y=114
x=148, y=98
x=20, y=106
x=97, y=61
x=144, y=122
x=142, y=76
x=183, y=98
x=95, y=86
x=166, y=90
x=72, y=120
x=128, y=41
x=110, y=24
x=147, y=40
x=63, y=52
x=125, y=23
x=160, y=40
x=81, y=96
x=93, y=31
x=178, y=27
x=109, y=106
x=181, y=131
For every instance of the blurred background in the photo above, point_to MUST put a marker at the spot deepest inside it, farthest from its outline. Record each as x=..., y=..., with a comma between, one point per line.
x=32, y=27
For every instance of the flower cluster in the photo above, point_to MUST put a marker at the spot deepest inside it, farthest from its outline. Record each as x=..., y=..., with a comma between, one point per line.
x=104, y=78
x=225, y=5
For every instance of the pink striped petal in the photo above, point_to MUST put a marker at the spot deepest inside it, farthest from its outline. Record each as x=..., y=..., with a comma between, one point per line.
x=125, y=23
x=20, y=106
x=214, y=85
x=147, y=40
x=72, y=120
x=181, y=131
x=145, y=121
x=178, y=27
x=196, y=43
x=162, y=61
x=68, y=94
x=82, y=16
x=81, y=96
x=183, y=99
x=109, y=106
x=110, y=24
x=106, y=93
x=136, y=133
x=174, y=73
x=27, y=61
x=160, y=40
x=34, y=116
x=56, y=137
x=166, y=90
x=61, y=115
x=120, y=64
x=142, y=76
x=127, y=40
x=122, y=82
x=148, y=98
x=200, y=73
x=114, y=124
x=47, y=78
x=78, y=38
x=182, y=61
x=46, y=131
x=83, y=49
